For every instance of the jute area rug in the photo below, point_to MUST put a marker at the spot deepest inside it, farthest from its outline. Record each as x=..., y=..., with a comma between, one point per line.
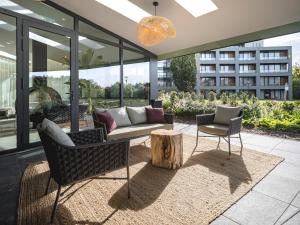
x=206, y=185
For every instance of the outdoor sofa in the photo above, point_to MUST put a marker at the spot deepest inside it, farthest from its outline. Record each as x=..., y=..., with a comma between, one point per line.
x=134, y=123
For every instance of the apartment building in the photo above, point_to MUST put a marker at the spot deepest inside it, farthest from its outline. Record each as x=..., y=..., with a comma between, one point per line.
x=265, y=72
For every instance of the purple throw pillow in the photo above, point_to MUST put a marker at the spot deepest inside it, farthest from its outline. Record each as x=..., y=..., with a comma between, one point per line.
x=106, y=118
x=155, y=115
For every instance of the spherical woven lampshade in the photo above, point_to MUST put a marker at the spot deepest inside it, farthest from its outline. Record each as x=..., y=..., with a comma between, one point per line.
x=154, y=29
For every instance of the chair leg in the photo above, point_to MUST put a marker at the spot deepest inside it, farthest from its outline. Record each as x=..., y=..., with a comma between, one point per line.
x=47, y=188
x=55, y=204
x=229, y=146
x=218, y=147
x=241, y=143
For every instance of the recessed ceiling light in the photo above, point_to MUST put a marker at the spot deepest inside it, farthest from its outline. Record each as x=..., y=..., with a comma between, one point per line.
x=126, y=8
x=198, y=7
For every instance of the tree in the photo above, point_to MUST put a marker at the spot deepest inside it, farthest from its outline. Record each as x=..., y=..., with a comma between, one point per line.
x=184, y=72
x=296, y=71
x=296, y=81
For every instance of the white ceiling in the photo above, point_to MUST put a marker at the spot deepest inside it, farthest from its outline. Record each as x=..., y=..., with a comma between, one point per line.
x=233, y=18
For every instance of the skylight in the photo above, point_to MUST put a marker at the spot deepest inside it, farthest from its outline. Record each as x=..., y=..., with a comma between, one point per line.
x=126, y=8
x=198, y=7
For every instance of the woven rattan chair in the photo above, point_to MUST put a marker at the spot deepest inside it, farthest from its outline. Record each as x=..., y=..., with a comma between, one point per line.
x=205, y=124
x=90, y=157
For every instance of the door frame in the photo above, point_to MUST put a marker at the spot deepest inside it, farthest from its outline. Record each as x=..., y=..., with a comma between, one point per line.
x=23, y=108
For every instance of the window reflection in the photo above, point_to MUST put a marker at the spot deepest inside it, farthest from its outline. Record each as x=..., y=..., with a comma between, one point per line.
x=8, y=124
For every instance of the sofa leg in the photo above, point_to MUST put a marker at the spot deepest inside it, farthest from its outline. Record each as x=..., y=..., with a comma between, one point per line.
x=47, y=188
x=128, y=175
x=55, y=204
x=241, y=143
x=218, y=147
x=229, y=146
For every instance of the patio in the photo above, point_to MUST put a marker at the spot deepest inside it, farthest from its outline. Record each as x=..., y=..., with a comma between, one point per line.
x=91, y=70
x=274, y=200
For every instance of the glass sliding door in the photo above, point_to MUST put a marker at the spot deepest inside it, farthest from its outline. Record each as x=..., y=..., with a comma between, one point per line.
x=136, y=78
x=99, y=74
x=8, y=81
x=49, y=79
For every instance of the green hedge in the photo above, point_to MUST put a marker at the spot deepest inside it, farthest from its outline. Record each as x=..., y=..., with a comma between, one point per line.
x=263, y=114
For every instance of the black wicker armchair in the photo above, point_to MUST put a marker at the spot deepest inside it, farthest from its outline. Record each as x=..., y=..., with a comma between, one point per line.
x=205, y=124
x=90, y=157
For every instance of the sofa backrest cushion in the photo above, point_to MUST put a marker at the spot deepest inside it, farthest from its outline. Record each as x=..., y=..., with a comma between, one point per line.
x=137, y=115
x=225, y=113
x=120, y=115
x=56, y=133
x=106, y=118
x=155, y=115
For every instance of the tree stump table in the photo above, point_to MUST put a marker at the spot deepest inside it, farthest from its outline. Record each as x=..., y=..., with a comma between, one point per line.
x=166, y=148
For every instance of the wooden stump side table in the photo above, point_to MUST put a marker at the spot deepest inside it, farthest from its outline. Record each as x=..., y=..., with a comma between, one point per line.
x=166, y=148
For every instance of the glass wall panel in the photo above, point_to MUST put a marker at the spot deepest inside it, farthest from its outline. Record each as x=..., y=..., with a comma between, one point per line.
x=49, y=80
x=8, y=124
x=136, y=79
x=40, y=11
x=99, y=77
x=88, y=30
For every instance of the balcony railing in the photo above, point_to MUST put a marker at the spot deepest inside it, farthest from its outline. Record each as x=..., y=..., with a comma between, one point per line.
x=247, y=71
x=227, y=71
x=274, y=71
x=274, y=58
x=247, y=58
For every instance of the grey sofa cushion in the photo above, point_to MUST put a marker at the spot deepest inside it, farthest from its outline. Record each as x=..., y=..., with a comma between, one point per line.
x=120, y=116
x=214, y=129
x=136, y=130
x=56, y=133
x=225, y=113
x=137, y=115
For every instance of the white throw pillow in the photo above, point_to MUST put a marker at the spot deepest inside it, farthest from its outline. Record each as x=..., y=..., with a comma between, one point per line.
x=225, y=113
x=137, y=115
x=56, y=133
x=120, y=116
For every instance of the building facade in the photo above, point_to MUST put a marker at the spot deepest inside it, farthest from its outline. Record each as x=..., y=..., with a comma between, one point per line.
x=265, y=72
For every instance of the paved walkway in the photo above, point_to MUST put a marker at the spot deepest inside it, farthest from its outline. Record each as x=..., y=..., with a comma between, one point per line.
x=276, y=199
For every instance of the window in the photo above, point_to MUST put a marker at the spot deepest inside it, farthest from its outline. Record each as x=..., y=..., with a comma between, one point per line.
x=227, y=55
x=207, y=55
x=86, y=30
x=227, y=81
x=247, y=81
x=207, y=68
x=136, y=79
x=227, y=68
x=40, y=11
x=247, y=55
x=99, y=75
x=8, y=78
x=207, y=81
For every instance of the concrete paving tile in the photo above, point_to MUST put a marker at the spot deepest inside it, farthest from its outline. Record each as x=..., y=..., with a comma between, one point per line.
x=276, y=186
x=296, y=201
x=263, y=141
x=222, y=220
x=289, y=157
x=287, y=170
x=288, y=215
x=289, y=146
x=256, y=208
x=264, y=149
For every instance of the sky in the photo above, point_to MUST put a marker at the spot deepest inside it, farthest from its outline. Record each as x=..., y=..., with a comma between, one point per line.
x=287, y=40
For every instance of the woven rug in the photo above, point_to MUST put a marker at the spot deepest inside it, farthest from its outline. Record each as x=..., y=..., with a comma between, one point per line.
x=206, y=185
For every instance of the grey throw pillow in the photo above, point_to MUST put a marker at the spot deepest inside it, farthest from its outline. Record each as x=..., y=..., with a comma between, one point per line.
x=120, y=116
x=225, y=113
x=56, y=133
x=137, y=115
